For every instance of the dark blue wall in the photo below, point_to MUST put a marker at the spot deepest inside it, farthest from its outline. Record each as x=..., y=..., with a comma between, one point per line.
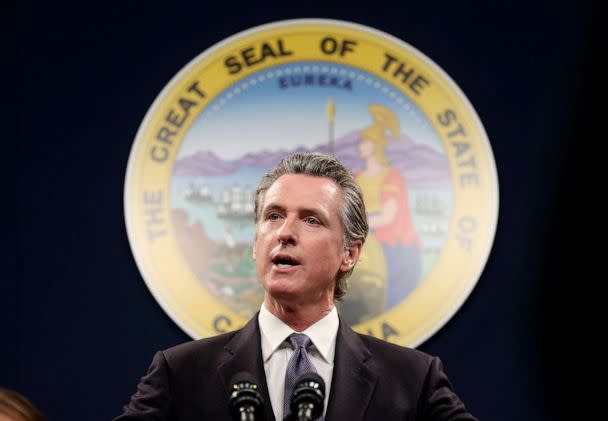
x=80, y=324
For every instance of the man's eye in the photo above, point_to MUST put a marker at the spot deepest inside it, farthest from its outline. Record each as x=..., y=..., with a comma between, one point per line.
x=273, y=216
x=312, y=220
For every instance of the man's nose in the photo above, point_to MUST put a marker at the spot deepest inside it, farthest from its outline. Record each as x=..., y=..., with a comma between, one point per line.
x=287, y=234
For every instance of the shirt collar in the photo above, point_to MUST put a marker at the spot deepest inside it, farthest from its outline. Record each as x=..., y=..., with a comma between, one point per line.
x=322, y=333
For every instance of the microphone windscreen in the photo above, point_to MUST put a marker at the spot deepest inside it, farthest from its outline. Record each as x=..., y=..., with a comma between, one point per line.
x=307, y=399
x=243, y=377
x=245, y=401
x=311, y=380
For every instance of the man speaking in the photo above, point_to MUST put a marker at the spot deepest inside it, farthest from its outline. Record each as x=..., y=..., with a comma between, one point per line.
x=310, y=227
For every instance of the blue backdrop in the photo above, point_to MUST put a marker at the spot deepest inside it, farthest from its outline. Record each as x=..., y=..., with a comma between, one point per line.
x=80, y=326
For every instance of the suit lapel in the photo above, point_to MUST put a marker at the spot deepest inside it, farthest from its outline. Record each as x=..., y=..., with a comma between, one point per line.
x=244, y=353
x=353, y=379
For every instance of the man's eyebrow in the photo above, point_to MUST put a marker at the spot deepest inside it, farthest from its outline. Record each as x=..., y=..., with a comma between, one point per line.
x=273, y=206
x=317, y=212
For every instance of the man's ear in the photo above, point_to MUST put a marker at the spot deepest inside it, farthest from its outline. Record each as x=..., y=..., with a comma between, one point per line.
x=351, y=256
x=253, y=251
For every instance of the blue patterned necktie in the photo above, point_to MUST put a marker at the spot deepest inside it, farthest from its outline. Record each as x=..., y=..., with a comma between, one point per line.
x=298, y=364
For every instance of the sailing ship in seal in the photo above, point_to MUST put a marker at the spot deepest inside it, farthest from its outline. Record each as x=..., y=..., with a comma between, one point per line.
x=236, y=202
x=194, y=193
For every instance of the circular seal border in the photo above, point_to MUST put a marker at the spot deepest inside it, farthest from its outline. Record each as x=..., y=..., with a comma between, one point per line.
x=152, y=205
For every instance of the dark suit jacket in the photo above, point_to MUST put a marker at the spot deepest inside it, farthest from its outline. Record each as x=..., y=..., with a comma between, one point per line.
x=372, y=380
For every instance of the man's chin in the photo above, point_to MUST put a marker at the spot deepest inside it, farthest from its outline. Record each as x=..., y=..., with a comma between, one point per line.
x=284, y=290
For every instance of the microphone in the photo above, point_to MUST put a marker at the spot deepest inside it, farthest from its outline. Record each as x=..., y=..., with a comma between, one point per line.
x=245, y=400
x=308, y=397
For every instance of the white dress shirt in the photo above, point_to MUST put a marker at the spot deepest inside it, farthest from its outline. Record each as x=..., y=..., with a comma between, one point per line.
x=276, y=353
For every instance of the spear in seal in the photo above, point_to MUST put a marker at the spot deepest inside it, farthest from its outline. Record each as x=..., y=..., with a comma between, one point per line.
x=331, y=112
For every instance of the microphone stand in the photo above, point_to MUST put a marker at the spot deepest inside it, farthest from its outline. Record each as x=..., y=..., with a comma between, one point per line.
x=304, y=413
x=247, y=413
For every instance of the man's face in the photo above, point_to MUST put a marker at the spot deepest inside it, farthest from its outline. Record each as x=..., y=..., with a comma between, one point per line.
x=299, y=242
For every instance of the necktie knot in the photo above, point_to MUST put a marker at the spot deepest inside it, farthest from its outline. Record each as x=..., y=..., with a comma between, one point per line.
x=299, y=340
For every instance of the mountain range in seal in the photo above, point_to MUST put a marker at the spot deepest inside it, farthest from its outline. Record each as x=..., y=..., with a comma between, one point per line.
x=422, y=166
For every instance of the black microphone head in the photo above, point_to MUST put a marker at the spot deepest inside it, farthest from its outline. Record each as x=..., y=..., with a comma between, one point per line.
x=242, y=377
x=244, y=396
x=308, y=395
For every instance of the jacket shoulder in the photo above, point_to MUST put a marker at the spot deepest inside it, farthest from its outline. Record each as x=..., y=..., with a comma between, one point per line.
x=198, y=352
x=391, y=356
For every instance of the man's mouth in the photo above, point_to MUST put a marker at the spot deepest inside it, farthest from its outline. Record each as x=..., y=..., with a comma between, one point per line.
x=284, y=261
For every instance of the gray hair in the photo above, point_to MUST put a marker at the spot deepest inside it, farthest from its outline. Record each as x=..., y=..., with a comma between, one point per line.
x=352, y=212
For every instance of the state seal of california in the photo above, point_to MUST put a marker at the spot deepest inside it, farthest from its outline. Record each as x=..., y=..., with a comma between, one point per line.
x=409, y=135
